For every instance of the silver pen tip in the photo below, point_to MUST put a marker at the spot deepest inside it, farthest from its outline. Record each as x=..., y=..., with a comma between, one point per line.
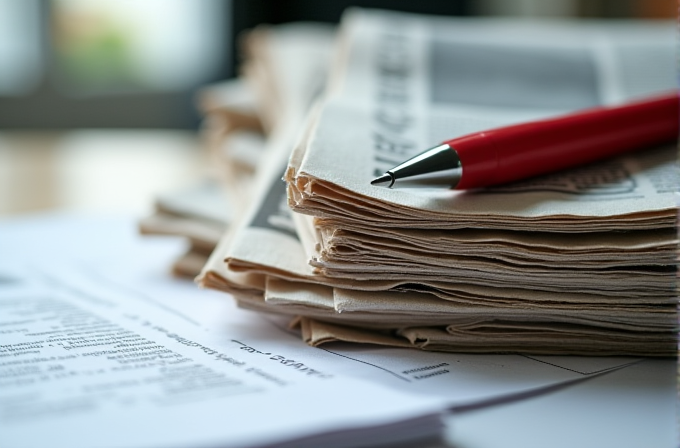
x=386, y=180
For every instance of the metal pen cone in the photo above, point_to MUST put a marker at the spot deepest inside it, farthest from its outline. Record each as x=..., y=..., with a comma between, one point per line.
x=386, y=180
x=437, y=167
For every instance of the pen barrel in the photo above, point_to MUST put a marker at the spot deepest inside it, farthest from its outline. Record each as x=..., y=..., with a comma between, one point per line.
x=525, y=150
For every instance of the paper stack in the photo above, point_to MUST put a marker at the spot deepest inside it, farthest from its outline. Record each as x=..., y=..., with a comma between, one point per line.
x=233, y=137
x=200, y=213
x=579, y=262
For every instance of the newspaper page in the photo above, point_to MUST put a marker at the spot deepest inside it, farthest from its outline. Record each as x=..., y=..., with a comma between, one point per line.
x=267, y=268
x=293, y=61
x=408, y=82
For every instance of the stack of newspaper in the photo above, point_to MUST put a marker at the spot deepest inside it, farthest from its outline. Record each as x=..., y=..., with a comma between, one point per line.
x=233, y=137
x=199, y=213
x=578, y=262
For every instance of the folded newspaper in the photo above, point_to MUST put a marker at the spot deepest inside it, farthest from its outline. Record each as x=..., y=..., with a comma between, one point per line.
x=199, y=213
x=579, y=262
x=231, y=135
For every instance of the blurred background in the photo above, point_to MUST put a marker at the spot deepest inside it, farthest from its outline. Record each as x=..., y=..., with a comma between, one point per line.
x=97, y=98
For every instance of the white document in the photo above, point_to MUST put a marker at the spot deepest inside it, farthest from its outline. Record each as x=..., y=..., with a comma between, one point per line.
x=99, y=347
x=86, y=361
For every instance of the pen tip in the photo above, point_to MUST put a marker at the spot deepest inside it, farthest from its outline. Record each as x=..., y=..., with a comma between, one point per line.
x=386, y=180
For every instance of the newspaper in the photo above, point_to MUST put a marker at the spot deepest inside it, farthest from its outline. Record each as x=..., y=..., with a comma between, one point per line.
x=199, y=213
x=232, y=134
x=266, y=270
x=408, y=82
x=362, y=270
x=288, y=66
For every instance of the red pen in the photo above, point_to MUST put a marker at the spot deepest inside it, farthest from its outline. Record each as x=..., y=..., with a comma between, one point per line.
x=524, y=150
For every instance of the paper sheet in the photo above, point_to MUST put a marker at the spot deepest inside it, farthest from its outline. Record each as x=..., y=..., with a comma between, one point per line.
x=171, y=365
x=91, y=357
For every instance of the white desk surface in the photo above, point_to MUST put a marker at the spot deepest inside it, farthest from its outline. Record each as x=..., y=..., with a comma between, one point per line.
x=631, y=408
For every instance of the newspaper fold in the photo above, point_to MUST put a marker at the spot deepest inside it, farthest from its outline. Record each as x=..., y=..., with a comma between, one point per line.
x=580, y=262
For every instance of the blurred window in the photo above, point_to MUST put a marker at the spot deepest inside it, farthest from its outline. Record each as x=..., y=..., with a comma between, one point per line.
x=113, y=45
x=20, y=54
x=108, y=63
